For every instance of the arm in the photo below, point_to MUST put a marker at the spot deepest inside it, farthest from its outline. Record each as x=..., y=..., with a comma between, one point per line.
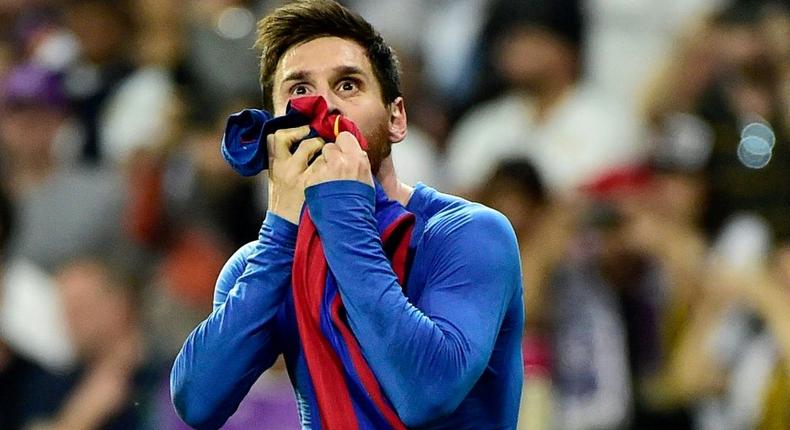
x=770, y=300
x=443, y=343
x=227, y=352
x=686, y=74
x=102, y=392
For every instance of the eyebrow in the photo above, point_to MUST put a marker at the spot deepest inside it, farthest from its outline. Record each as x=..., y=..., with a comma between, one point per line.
x=302, y=75
x=296, y=76
x=348, y=70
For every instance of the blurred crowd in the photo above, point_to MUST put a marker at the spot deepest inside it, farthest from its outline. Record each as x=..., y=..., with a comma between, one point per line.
x=656, y=266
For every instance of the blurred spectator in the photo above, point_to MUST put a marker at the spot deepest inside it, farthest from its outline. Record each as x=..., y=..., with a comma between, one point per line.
x=586, y=327
x=566, y=129
x=444, y=33
x=104, y=32
x=33, y=345
x=219, y=65
x=734, y=356
x=618, y=290
x=112, y=386
x=516, y=190
x=729, y=72
x=628, y=40
x=207, y=212
x=142, y=110
x=193, y=212
x=63, y=211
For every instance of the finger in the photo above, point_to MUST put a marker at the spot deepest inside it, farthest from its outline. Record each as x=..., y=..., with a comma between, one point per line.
x=280, y=141
x=332, y=152
x=319, y=163
x=347, y=142
x=306, y=150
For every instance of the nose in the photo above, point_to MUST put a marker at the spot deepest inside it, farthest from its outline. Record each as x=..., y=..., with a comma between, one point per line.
x=332, y=100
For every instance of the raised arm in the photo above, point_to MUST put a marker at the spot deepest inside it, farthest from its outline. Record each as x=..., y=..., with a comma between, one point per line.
x=428, y=355
x=228, y=351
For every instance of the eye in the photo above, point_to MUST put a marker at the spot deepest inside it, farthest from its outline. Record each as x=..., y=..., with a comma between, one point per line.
x=299, y=89
x=348, y=86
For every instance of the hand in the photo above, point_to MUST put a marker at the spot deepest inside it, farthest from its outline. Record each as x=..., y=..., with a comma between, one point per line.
x=104, y=390
x=342, y=160
x=287, y=171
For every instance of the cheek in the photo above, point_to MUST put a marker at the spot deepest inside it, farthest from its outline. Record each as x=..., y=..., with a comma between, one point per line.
x=83, y=321
x=378, y=144
x=372, y=120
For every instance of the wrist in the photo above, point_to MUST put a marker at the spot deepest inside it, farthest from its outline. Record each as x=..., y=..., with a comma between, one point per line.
x=287, y=209
x=340, y=201
x=278, y=230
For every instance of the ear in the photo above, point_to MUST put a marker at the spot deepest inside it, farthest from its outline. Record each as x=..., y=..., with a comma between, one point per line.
x=397, y=121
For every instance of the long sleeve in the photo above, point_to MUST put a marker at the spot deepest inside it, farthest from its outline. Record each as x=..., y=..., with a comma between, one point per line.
x=426, y=355
x=229, y=350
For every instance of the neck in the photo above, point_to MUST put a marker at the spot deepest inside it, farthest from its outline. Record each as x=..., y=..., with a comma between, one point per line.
x=394, y=188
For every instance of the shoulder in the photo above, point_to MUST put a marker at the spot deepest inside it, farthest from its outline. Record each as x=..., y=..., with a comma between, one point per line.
x=238, y=261
x=470, y=245
x=470, y=224
x=233, y=268
x=445, y=213
x=231, y=271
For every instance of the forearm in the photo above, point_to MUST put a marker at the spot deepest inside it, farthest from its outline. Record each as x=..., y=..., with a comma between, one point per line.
x=772, y=303
x=693, y=370
x=226, y=353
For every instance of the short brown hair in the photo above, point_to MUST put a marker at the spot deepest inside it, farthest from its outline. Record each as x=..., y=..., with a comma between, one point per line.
x=302, y=21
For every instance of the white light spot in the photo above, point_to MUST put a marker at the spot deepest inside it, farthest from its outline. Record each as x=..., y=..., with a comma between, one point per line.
x=235, y=23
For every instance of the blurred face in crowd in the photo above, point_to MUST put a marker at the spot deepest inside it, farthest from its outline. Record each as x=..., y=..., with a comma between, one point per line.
x=751, y=55
x=27, y=131
x=340, y=71
x=529, y=57
x=100, y=27
x=678, y=197
x=97, y=311
x=619, y=243
x=520, y=208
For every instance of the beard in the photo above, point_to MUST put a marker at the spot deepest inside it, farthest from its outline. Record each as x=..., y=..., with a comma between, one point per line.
x=379, y=146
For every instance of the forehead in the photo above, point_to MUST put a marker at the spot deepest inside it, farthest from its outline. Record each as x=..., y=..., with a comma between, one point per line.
x=322, y=55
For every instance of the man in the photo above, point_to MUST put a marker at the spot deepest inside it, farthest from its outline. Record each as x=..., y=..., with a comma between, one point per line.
x=87, y=203
x=445, y=351
x=548, y=113
x=30, y=375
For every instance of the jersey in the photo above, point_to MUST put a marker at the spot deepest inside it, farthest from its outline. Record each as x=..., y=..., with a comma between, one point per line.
x=445, y=347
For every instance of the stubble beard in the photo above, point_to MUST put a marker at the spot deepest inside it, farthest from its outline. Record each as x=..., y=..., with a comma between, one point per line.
x=379, y=146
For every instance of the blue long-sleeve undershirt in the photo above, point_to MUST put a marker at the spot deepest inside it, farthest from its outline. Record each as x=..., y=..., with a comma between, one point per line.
x=446, y=353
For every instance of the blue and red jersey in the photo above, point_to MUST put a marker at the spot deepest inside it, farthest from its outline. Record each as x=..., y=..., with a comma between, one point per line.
x=445, y=350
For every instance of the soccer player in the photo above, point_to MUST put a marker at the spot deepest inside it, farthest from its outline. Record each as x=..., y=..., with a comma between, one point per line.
x=439, y=345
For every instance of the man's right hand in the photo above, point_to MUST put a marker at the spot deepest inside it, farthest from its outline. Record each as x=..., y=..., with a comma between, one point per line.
x=286, y=170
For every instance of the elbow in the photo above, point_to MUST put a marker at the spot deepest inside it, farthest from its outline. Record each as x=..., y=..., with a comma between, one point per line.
x=194, y=415
x=442, y=392
x=192, y=411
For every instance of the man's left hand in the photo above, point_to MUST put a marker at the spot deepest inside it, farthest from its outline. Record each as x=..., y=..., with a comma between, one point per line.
x=342, y=160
